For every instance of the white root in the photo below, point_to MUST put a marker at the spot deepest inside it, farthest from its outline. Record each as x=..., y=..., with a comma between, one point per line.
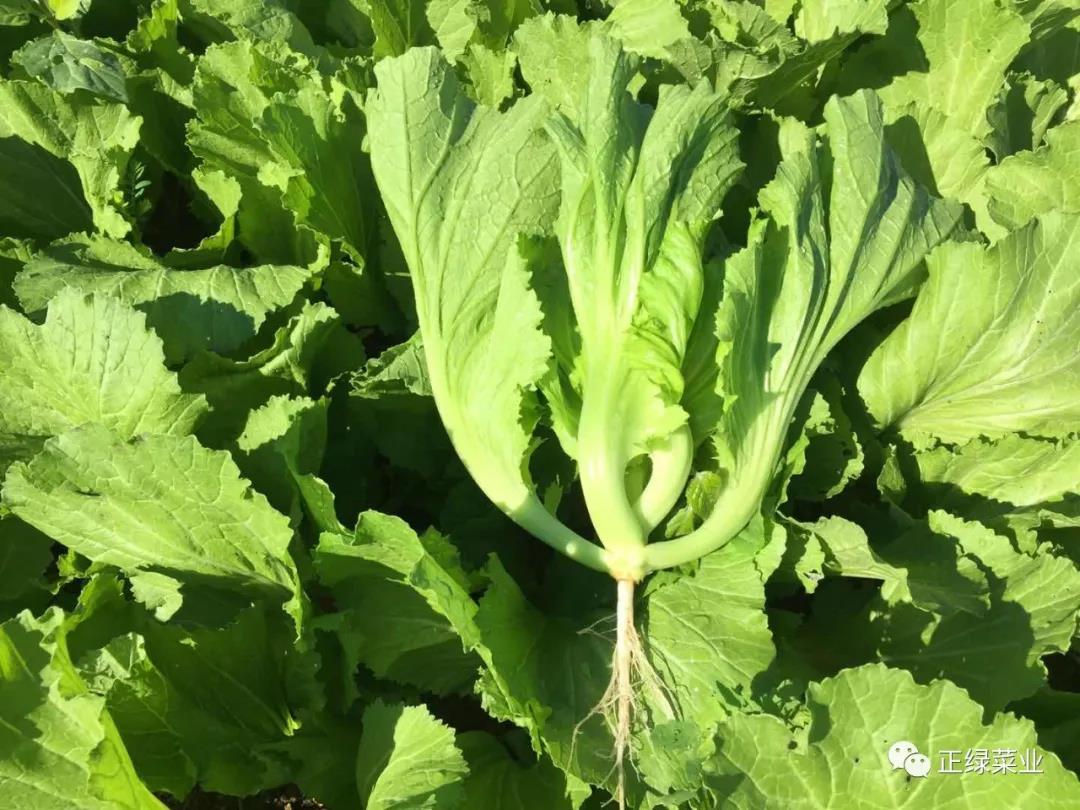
x=631, y=674
x=626, y=642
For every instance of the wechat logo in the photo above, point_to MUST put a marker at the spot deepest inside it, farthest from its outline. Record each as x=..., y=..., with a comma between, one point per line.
x=905, y=755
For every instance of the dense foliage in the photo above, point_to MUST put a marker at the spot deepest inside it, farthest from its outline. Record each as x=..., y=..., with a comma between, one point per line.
x=314, y=310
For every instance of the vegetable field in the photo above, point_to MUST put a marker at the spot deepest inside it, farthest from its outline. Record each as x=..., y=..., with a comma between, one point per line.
x=540, y=405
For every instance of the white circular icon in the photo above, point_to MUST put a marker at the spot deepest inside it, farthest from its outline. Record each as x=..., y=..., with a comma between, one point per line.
x=917, y=765
x=899, y=752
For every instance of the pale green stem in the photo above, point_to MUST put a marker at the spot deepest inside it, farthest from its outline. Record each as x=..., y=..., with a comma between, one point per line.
x=603, y=461
x=742, y=497
x=539, y=522
x=667, y=480
x=735, y=507
x=728, y=518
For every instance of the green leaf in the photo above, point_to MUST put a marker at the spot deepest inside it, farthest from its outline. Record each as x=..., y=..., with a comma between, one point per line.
x=1057, y=717
x=688, y=137
x=96, y=138
x=144, y=707
x=1047, y=17
x=41, y=196
x=550, y=50
x=400, y=369
x=990, y=344
x=367, y=295
x=58, y=746
x=324, y=755
x=546, y=673
x=68, y=64
x=1024, y=113
x=65, y=9
x=14, y=253
x=1053, y=54
x=969, y=45
x=950, y=162
x=498, y=781
x=940, y=110
x=491, y=73
x=632, y=246
x=780, y=10
x=155, y=34
x=17, y=12
x=215, y=308
x=158, y=503
x=391, y=398
x=1028, y=185
x=398, y=25
x=844, y=233
x=833, y=456
x=285, y=367
x=20, y=12
x=647, y=27
x=1046, y=586
x=821, y=20
x=1024, y=479
x=205, y=705
x=454, y=22
x=441, y=163
x=841, y=760
x=92, y=360
x=290, y=136
x=159, y=593
x=235, y=673
x=408, y=759
x=459, y=24
x=403, y=607
x=270, y=20
x=284, y=441
x=25, y=553
x=914, y=567
x=760, y=62
x=1034, y=602
x=709, y=660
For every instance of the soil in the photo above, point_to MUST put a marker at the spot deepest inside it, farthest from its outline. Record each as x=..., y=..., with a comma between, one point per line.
x=284, y=798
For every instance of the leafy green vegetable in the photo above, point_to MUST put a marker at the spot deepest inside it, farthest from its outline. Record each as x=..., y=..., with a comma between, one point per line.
x=92, y=360
x=501, y=349
x=407, y=759
x=59, y=745
x=67, y=64
x=97, y=139
x=290, y=136
x=203, y=523
x=228, y=304
x=631, y=248
x=854, y=717
x=404, y=610
x=498, y=780
x=1029, y=184
x=989, y=348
